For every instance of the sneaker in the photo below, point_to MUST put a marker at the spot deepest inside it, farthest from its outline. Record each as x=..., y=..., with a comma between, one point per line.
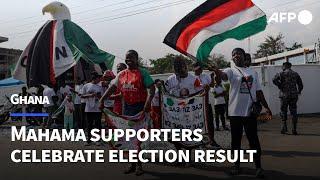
x=284, y=129
x=130, y=169
x=294, y=132
x=139, y=171
x=235, y=170
x=226, y=128
x=217, y=129
x=260, y=173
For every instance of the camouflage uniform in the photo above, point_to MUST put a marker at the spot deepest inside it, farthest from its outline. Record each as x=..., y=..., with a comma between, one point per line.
x=290, y=85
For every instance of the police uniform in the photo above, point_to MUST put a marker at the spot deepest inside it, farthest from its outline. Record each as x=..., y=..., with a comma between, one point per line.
x=290, y=84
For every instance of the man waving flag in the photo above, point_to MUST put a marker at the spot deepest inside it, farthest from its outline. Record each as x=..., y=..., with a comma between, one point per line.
x=213, y=22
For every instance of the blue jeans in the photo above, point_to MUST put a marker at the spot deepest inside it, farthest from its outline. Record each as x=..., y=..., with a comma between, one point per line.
x=131, y=110
x=68, y=121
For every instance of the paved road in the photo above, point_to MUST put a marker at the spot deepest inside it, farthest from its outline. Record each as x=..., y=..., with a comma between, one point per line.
x=284, y=156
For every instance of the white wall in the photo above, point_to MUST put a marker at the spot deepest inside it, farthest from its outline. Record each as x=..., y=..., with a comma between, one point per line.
x=309, y=101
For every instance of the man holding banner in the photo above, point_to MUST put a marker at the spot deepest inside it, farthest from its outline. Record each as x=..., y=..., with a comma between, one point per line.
x=182, y=81
x=133, y=83
x=184, y=105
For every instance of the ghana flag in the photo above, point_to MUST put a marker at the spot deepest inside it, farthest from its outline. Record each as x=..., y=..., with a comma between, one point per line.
x=213, y=22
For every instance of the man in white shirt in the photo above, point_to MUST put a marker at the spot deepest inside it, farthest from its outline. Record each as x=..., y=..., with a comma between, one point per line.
x=49, y=108
x=244, y=89
x=83, y=106
x=182, y=83
x=77, y=105
x=92, y=92
x=64, y=90
x=206, y=81
x=182, y=80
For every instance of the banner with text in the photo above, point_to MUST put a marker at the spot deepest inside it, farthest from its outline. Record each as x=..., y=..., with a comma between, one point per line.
x=184, y=113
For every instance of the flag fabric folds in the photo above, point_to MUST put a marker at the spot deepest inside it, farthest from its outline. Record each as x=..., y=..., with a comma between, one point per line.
x=213, y=22
x=139, y=121
x=57, y=46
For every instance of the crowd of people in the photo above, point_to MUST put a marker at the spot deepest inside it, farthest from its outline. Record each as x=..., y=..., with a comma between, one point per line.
x=236, y=92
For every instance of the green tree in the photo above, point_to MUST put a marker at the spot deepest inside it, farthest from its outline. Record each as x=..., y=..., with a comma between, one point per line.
x=274, y=45
x=219, y=61
x=271, y=45
x=165, y=64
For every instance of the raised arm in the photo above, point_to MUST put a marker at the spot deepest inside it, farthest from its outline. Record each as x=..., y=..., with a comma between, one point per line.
x=219, y=74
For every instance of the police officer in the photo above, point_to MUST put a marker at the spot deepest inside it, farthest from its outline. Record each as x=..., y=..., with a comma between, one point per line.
x=290, y=85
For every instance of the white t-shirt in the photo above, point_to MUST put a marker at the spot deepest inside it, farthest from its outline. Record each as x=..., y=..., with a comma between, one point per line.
x=175, y=84
x=107, y=102
x=82, y=100
x=92, y=103
x=218, y=90
x=49, y=92
x=205, y=79
x=77, y=99
x=65, y=91
x=239, y=97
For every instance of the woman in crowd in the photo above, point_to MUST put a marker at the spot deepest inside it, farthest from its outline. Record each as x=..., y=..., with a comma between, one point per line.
x=244, y=90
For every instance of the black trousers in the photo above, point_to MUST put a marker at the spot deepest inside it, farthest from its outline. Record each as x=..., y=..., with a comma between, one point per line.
x=83, y=117
x=210, y=124
x=219, y=115
x=94, y=122
x=250, y=126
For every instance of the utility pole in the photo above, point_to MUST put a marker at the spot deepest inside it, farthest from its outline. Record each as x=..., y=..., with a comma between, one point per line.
x=318, y=51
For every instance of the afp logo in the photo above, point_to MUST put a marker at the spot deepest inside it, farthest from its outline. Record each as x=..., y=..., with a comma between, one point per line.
x=304, y=17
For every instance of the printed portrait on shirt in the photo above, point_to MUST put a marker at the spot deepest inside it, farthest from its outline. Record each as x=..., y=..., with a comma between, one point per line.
x=243, y=88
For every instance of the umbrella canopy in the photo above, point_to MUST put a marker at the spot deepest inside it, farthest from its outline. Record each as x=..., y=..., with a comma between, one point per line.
x=10, y=82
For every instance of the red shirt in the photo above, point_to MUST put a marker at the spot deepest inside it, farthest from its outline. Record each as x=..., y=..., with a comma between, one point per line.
x=131, y=86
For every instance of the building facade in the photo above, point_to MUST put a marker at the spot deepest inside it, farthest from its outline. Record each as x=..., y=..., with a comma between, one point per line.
x=8, y=59
x=305, y=55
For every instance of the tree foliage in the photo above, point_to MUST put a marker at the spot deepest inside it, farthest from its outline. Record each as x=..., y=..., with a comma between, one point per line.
x=271, y=45
x=165, y=64
x=274, y=45
x=219, y=61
